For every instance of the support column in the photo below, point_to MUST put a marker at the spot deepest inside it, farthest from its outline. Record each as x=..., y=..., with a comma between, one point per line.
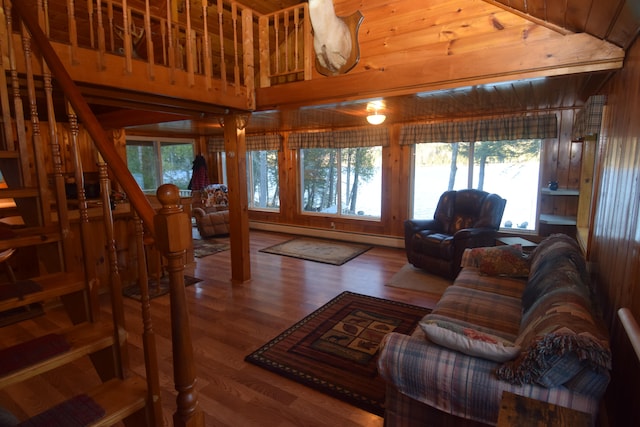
x=236, y=156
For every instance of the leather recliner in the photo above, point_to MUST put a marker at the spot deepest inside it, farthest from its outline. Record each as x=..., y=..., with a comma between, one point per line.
x=463, y=219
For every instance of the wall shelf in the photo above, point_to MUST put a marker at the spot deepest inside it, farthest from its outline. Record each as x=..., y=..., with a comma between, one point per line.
x=557, y=219
x=560, y=192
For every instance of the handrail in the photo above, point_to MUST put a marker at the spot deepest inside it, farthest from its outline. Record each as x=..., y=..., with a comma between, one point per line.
x=631, y=328
x=89, y=120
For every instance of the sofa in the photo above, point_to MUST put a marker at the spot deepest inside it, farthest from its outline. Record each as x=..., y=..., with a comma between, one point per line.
x=525, y=325
x=462, y=219
x=212, y=222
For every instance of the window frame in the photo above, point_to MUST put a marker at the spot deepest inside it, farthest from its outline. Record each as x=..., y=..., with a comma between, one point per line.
x=157, y=143
x=338, y=185
x=471, y=178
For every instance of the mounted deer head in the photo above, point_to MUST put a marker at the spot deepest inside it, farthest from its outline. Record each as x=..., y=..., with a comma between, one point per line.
x=334, y=38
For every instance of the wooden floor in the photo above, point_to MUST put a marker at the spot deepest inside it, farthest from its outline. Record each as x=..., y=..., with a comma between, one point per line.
x=229, y=321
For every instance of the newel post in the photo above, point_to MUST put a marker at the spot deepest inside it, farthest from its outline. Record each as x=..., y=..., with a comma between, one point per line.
x=173, y=232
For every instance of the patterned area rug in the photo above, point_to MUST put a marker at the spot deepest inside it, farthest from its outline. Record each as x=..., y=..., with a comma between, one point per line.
x=318, y=250
x=155, y=291
x=334, y=349
x=203, y=248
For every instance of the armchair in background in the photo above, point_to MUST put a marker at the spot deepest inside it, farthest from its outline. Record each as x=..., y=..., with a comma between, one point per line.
x=463, y=219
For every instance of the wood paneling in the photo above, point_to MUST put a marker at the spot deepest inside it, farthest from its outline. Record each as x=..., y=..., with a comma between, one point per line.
x=615, y=250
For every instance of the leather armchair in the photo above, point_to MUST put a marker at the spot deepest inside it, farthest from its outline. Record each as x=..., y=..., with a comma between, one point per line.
x=463, y=219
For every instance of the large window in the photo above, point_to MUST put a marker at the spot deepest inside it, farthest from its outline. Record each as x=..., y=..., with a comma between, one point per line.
x=262, y=180
x=342, y=181
x=154, y=162
x=507, y=168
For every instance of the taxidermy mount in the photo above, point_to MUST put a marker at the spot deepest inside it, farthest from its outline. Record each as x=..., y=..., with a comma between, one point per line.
x=335, y=39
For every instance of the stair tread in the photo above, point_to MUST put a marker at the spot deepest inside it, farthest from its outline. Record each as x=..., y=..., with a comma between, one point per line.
x=119, y=398
x=53, y=285
x=18, y=193
x=30, y=236
x=9, y=154
x=83, y=339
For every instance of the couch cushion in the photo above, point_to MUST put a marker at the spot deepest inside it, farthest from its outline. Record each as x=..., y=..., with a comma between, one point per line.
x=471, y=278
x=469, y=340
x=476, y=309
x=506, y=260
x=434, y=244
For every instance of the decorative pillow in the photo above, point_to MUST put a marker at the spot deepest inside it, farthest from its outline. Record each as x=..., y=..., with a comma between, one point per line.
x=505, y=260
x=469, y=341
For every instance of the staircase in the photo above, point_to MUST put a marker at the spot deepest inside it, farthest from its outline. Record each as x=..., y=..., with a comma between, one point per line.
x=58, y=240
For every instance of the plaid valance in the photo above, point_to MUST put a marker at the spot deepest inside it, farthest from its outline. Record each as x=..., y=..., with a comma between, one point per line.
x=495, y=129
x=351, y=138
x=269, y=142
x=589, y=119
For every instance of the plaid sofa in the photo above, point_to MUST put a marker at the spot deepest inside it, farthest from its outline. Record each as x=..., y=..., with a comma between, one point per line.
x=527, y=326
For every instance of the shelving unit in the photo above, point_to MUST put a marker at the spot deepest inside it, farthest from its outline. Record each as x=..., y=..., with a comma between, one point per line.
x=551, y=223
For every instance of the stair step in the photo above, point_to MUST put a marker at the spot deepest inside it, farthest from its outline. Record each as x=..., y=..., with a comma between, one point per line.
x=31, y=237
x=83, y=339
x=9, y=154
x=53, y=285
x=18, y=193
x=119, y=398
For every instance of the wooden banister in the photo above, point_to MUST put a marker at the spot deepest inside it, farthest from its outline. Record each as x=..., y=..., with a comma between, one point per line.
x=103, y=144
x=173, y=227
x=631, y=328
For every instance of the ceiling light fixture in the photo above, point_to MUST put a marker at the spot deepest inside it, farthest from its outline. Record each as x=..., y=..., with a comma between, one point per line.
x=374, y=117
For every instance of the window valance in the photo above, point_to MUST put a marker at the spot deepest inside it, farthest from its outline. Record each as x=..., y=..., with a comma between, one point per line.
x=495, y=129
x=589, y=119
x=269, y=142
x=351, y=138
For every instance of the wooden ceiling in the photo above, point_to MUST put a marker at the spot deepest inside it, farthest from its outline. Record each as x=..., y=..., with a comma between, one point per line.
x=615, y=21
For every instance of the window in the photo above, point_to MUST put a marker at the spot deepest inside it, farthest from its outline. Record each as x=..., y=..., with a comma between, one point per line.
x=508, y=168
x=343, y=181
x=154, y=162
x=262, y=180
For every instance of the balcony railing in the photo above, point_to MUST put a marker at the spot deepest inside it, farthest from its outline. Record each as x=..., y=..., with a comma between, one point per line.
x=218, y=41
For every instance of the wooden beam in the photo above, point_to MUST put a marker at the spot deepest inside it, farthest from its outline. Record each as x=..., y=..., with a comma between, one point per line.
x=236, y=154
x=449, y=65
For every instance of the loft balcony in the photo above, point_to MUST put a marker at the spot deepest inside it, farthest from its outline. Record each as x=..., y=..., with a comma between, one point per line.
x=186, y=62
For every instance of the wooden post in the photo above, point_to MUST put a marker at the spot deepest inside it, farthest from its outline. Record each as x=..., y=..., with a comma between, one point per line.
x=236, y=153
x=173, y=233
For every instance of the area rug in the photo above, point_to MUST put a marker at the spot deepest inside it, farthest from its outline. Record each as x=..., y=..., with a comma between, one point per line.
x=410, y=277
x=203, y=248
x=133, y=291
x=335, y=348
x=318, y=250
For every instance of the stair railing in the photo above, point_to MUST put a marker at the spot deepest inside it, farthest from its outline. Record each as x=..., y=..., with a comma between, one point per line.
x=171, y=228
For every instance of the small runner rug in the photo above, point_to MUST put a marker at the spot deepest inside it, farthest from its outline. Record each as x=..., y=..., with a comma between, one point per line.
x=318, y=250
x=335, y=348
x=203, y=248
x=410, y=277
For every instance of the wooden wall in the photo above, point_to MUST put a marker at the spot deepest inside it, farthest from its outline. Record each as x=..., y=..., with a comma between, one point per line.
x=616, y=239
